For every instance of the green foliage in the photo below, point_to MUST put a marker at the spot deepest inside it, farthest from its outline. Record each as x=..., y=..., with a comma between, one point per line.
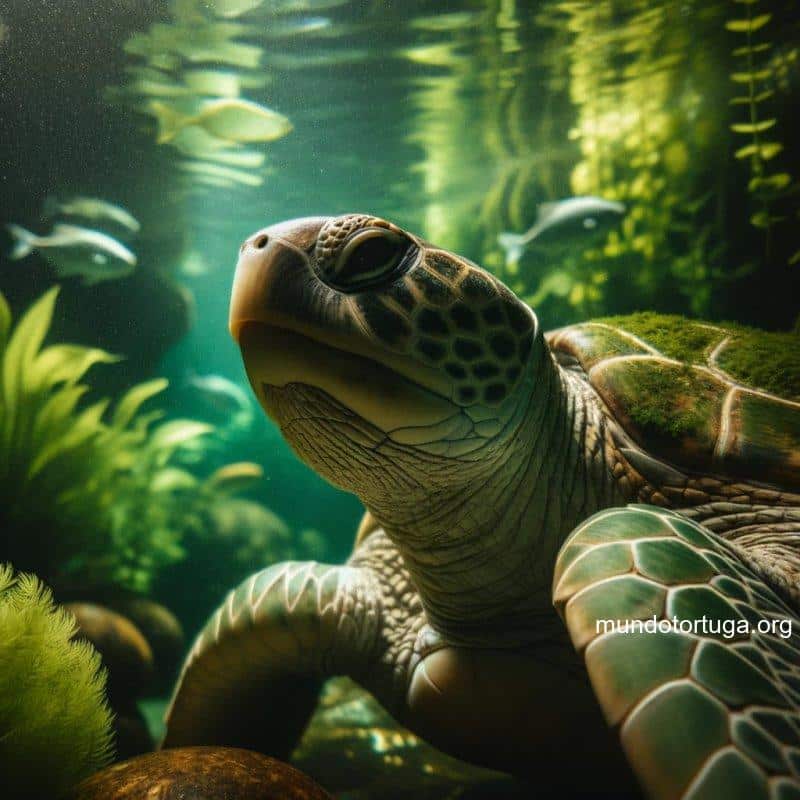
x=768, y=183
x=55, y=726
x=83, y=498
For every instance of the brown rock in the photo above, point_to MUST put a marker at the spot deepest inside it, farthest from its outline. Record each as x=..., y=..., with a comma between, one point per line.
x=124, y=650
x=195, y=773
x=163, y=632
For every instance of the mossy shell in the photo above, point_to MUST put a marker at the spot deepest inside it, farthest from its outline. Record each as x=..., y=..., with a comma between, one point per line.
x=716, y=398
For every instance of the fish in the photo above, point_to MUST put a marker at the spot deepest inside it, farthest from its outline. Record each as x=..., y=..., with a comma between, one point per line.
x=224, y=398
x=570, y=216
x=164, y=45
x=230, y=119
x=213, y=83
x=319, y=59
x=197, y=144
x=194, y=264
x=204, y=168
x=76, y=251
x=234, y=8
x=298, y=26
x=91, y=208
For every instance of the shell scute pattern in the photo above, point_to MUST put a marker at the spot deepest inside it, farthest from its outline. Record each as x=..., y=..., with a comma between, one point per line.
x=692, y=412
x=721, y=696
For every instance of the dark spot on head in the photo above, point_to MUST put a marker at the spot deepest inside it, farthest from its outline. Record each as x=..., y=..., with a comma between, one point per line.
x=434, y=291
x=519, y=317
x=494, y=393
x=261, y=242
x=443, y=265
x=455, y=370
x=464, y=317
x=431, y=349
x=493, y=314
x=466, y=394
x=467, y=349
x=382, y=321
x=525, y=348
x=485, y=370
x=512, y=373
x=502, y=345
x=476, y=288
x=432, y=322
x=402, y=294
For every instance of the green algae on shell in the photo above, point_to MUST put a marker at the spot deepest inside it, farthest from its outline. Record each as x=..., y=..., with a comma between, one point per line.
x=716, y=397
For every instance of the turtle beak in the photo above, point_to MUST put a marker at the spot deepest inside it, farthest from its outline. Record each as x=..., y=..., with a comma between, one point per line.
x=266, y=258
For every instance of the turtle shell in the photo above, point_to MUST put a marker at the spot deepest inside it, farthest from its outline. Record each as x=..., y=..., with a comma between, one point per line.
x=715, y=398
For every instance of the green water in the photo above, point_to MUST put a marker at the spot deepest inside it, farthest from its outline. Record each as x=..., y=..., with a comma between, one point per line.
x=455, y=120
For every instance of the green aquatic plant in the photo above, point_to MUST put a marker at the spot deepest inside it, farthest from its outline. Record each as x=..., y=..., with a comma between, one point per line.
x=757, y=75
x=80, y=501
x=55, y=725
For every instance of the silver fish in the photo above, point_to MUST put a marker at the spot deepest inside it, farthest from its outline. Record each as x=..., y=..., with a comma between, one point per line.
x=573, y=215
x=76, y=251
x=224, y=398
x=91, y=208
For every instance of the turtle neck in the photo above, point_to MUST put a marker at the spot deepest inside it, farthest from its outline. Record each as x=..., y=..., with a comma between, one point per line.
x=480, y=537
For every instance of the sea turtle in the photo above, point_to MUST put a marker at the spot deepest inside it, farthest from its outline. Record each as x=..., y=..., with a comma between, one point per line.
x=643, y=468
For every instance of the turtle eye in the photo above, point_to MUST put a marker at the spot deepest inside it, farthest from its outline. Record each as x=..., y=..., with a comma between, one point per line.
x=370, y=257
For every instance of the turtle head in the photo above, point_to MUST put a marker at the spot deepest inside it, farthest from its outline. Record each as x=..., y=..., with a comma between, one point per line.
x=371, y=347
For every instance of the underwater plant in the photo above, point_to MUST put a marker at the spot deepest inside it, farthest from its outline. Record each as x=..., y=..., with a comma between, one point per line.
x=757, y=77
x=55, y=725
x=85, y=496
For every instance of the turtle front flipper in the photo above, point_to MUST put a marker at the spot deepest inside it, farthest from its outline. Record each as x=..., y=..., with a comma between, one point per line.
x=705, y=689
x=254, y=673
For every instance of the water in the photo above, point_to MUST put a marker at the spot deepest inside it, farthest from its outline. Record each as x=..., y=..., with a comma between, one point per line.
x=455, y=120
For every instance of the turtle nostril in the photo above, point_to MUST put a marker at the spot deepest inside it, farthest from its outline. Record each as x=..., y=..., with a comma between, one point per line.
x=261, y=242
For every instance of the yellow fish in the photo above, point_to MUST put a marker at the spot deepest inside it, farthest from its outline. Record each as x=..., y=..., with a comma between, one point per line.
x=230, y=119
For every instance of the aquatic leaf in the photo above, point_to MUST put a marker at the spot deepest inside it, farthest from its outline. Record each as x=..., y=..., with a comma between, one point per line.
x=755, y=99
x=795, y=259
x=776, y=182
x=67, y=363
x=171, y=479
x=83, y=428
x=178, y=432
x=24, y=344
x=752, y=49
x=748, y=25
x=763, y=219
x=754, y=127
x=134, y=399
x=234, y=478
x=5, y=322
x=765, y=150
x=751, y=77
x=56, y=412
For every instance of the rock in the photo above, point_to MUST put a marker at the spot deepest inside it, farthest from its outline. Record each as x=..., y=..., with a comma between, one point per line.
x=163, y=632
x=124, y=650
x=210, y=773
